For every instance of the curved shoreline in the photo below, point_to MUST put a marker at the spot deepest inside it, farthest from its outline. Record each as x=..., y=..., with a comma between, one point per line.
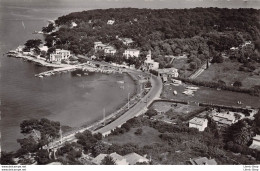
x=118, y=110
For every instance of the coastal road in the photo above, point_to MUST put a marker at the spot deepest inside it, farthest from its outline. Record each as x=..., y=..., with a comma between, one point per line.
x=138, y=109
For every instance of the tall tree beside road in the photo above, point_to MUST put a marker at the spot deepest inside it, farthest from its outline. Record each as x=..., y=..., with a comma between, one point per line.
x=44, y=129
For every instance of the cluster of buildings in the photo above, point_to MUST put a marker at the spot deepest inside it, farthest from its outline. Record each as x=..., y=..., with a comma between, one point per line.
x=246, y=43
x=223, y=119
x=129, y=159
x=168, y=73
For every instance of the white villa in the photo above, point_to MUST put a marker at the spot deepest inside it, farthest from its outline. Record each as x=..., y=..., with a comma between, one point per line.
x=107, y=49
x=110, y=22
x=73, y=24
x=131, y=53
x=59, y=54
x=149, y=63
x=199, y=123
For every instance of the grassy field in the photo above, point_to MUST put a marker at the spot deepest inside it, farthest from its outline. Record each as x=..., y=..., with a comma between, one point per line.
x=210, y=95
x=229, y=73
x=148, y=137
x=180, y=108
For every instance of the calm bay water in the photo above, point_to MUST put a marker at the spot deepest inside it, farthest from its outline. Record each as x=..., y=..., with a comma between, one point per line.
x=71, y=100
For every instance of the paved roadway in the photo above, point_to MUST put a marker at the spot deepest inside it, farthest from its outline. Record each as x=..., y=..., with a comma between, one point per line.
x=138, y=109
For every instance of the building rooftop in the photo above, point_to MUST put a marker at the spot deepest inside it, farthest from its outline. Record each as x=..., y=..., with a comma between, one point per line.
x=198, y=121
x=226, y=116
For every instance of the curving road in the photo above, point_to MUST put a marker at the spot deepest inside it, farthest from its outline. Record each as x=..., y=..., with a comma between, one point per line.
x=138, y=109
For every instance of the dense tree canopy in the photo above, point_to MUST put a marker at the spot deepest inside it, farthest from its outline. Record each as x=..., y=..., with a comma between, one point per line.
x=44, y=130
x=198, y=32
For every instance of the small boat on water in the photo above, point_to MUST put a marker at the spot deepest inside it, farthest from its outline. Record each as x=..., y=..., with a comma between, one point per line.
x=40, y=76
x=79, y=75
x=121, y=82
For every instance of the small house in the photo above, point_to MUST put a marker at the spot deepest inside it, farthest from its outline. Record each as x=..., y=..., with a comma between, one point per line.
x=110, y=22
x=199, y=123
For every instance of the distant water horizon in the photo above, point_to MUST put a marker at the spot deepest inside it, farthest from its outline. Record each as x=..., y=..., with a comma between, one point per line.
x=79, y=5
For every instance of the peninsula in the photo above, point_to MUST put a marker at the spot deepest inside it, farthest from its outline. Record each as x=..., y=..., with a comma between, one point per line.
x=198, y=72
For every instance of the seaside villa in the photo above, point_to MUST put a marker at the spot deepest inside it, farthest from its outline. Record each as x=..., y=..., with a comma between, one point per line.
x=131, y=53
x=59, y=54
x=149, y=63
x=199, y=123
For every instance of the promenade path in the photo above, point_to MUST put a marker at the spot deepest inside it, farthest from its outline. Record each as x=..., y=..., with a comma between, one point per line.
x=136, y=110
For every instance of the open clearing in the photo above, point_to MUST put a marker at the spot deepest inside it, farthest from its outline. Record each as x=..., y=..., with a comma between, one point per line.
x=211, y=95
x=228, y=71
x=148, y=137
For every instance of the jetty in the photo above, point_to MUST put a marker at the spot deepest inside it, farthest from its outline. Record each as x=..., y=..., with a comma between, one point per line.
x=84, y=67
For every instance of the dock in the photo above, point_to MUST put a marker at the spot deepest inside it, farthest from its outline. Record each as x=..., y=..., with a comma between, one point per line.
x=84, y=67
